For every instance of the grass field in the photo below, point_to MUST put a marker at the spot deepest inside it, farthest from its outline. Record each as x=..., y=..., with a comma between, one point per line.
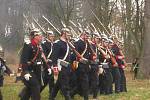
x=137, y=90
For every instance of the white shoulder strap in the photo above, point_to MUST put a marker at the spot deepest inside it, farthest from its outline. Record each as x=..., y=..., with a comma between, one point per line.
x=50, y=51
x=84, y=49
x=105, y=59
x=66, y=52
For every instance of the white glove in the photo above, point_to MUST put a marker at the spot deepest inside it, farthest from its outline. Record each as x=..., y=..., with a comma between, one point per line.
x=27, y=76
x=4, y=68
x=101, y=70
x=49, y=71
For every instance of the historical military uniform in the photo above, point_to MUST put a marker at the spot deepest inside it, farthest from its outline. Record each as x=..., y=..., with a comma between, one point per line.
x=105, y=79
x=47, y=47
x=82, y=71
x=32, y=68
x=121, y=82
x=93, y=74
x=60, y=62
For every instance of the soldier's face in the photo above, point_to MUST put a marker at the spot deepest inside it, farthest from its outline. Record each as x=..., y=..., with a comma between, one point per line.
x=86, y=37
x=68, y=36
x=110, y=45
x=38, y=38
x=115, y=40
x=51, y=37
x=105, y=43
x=97, y=40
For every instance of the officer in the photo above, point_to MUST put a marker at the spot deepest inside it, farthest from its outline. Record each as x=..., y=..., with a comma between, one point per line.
x=61, y=65
x=82, y=71
x=32, y=61
x=47, y=45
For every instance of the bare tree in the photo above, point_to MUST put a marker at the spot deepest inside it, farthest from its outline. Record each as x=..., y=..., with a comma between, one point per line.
x=145, y=69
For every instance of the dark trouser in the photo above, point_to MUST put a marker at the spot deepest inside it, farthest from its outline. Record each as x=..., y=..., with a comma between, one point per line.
x=101, y=84
x=116, y=78
x=48, y=79
x=83, y=80
x=123, y=87
x=51, y=86
x=62, y=84
x=94, y=80
x=32, y=88
x=73, y=83
x=107, y=81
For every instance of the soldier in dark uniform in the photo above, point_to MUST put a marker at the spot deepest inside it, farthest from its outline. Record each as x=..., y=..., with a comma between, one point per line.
x=121, y=64
x=105, y=81
x=47, y=45
x=82, y=72
x=93, y=74
x=3, y=69
x=61, y=65
x=32, y=62
x=115, y=69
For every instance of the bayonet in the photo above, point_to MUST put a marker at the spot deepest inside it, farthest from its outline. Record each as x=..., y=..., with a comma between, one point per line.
x=39, y=25
x=51, y=24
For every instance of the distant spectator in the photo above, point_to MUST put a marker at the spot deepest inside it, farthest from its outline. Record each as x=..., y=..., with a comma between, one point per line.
x=135, y=67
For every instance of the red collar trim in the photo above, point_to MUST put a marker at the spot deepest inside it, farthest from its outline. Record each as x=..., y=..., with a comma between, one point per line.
x=33, y=42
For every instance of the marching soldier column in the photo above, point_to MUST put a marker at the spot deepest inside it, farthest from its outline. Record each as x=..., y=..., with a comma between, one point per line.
x=85, y=66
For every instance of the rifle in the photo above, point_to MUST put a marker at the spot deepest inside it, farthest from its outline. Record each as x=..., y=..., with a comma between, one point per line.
x=39, y=25
x=109, y=33
x=29, y=27
x=93, y=55
x=100, y=48
x=100, y=23
x=79, y=29
x=95, y=30
x=79, y=56
x=113, y=60
x=70, y=44
x=73, y=31
x=51, y=24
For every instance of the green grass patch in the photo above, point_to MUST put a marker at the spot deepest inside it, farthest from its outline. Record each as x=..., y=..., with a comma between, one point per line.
x=137, y=90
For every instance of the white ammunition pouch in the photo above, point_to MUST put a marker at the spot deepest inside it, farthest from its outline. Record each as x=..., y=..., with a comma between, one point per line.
x=105, y=65
x=62, y=62
x=38, y=63
x=100, y=70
